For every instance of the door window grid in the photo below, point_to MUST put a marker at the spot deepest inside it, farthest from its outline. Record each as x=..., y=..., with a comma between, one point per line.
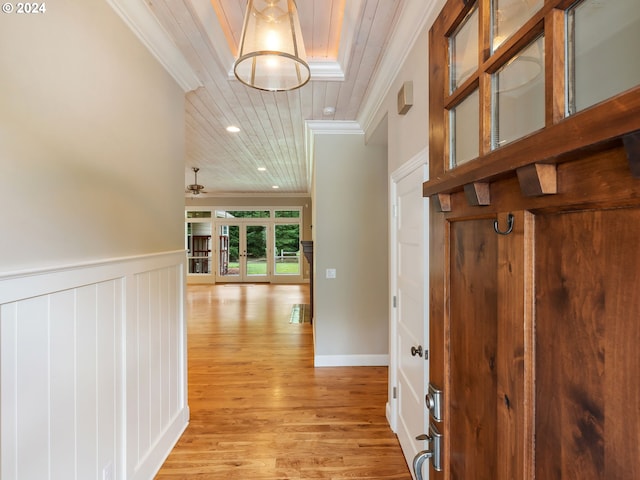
x=537, y=16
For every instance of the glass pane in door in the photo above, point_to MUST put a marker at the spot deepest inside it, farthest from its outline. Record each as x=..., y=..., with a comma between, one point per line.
x=518, y=96
x=603, y=50
x=229, y=250
x=463, y=51
x=256, y=254
x=464, y=130
x=287, y=244
x=509, y=15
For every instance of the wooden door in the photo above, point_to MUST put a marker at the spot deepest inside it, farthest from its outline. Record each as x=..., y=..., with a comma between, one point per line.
x=587, y=337
x=541, y=342
x=473, y=333
x=488, y=354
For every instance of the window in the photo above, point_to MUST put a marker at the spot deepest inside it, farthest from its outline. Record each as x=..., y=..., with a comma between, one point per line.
x=243, y=213
x=241, y=244
x=198, y=213
x=464, y=127
x=508, y=16
x=287, y=248
x=463, y=51
x=287, y=213
x=518, y=96
x=198, y=239
x=602, y=53
x=519, y=75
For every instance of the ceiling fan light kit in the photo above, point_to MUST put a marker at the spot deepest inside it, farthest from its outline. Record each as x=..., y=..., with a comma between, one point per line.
x=271, y=55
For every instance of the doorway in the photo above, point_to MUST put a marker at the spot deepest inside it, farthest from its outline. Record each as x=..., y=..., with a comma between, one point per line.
x=257, y=245
x=243, y=252
x=409, y=355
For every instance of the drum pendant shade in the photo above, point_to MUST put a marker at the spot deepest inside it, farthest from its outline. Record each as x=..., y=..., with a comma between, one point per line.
x=271, y=55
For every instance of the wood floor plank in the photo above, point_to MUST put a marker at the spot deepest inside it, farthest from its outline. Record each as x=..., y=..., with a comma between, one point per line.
x=261, y=411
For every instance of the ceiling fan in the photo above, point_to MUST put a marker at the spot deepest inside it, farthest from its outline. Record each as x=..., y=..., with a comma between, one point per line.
x=195, y=188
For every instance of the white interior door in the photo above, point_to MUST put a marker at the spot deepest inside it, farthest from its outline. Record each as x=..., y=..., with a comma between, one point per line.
x=410, y=366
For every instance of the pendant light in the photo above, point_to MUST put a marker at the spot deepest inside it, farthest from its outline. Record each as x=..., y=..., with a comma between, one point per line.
x=271, y=55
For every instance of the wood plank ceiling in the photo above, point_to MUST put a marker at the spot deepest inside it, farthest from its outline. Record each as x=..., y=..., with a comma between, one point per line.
x=346, y=43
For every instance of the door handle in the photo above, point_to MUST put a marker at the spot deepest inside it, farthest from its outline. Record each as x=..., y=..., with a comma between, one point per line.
x=434, y=453
x=418, y=460
x=416, y=351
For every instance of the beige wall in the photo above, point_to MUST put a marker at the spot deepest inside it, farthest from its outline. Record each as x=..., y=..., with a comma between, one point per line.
x=91, y=170
x=91, y=140
x=408, y=134
x=350, y=235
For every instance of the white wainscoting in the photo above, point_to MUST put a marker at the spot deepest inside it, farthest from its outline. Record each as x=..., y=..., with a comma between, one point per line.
x=92, y=369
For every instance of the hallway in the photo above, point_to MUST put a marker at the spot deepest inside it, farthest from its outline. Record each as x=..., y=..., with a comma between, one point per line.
x=260, y=411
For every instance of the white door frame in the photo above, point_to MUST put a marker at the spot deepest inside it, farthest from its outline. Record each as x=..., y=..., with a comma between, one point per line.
x=242, y=224
x=419, y=161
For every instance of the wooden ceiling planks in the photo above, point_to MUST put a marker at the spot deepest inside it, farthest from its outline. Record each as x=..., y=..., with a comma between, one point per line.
x=272, y=125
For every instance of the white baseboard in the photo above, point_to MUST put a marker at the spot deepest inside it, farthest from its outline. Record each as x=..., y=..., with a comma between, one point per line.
x=351, y=361
x=163, y=447
x=390, y=419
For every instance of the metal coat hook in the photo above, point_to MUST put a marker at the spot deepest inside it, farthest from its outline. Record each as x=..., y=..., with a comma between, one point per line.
x=509, y=229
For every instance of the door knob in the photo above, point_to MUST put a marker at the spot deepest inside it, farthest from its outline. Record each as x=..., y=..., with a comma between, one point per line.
x=416, y=351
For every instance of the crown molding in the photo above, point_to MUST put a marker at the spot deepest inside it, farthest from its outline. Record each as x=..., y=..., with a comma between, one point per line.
x=214, y=33
x=333, y=127
x=142, y=22
x=327, y=71
x=416, y=16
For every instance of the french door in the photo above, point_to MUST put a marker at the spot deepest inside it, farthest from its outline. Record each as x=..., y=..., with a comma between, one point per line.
x=242, y=252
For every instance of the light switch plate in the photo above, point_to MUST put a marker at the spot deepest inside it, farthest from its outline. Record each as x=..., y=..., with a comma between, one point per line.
x=331, y=273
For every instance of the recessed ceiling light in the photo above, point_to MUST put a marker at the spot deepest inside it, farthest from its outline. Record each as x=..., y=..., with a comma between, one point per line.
x=328, y=110
x=275, y=187
x=262, y=169
x=233, y=129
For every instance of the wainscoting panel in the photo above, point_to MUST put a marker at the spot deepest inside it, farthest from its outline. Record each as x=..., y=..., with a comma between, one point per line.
x=92, y=370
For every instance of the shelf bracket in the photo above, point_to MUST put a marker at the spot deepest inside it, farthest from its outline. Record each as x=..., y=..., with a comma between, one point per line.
x=442, y=202
x=538, y=179
x=478, y=194
x=632, y=147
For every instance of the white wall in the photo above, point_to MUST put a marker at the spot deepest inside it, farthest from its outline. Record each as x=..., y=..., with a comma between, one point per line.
x=350, y=235
x=92, y=353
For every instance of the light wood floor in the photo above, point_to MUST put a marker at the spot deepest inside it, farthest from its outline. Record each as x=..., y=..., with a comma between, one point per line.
x=260, y=411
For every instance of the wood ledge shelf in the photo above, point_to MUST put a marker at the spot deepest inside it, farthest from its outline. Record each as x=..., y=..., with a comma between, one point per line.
x=553, y=145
